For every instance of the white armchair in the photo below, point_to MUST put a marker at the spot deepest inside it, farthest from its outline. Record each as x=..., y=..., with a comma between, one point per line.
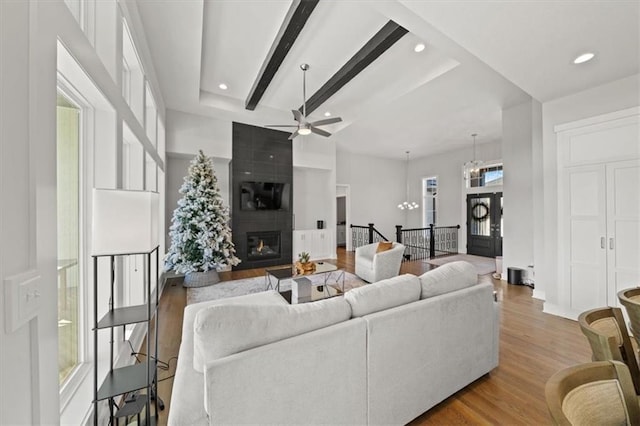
x=372, y=266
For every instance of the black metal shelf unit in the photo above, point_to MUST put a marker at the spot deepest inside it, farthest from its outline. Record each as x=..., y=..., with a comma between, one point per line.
x=122, y=380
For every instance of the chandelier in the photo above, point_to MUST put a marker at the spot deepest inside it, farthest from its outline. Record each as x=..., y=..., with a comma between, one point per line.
x=473, y=166
x=407, y=205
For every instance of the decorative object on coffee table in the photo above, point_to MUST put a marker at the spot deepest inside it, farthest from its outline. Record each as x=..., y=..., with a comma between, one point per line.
x=303, y=265
x=200, y=233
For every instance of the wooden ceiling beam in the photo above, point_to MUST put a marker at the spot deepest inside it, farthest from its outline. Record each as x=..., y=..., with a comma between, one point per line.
x=376, y=46
x=292, y=25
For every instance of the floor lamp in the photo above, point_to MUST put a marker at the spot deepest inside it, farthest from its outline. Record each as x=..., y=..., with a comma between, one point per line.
x=125, y=223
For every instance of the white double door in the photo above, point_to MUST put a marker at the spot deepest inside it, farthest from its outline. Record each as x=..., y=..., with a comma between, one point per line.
x=602, y=217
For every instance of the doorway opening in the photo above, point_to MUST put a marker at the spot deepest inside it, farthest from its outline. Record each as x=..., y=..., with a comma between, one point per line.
x=343, y=217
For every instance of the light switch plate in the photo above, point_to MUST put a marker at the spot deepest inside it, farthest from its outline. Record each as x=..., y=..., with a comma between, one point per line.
x=22, y=299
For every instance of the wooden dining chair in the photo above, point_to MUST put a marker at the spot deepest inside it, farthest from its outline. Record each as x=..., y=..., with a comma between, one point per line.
x=596, y=393
x=630, y=299
x=609, y=340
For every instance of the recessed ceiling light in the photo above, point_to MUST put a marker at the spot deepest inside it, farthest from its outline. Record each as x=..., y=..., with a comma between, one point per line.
x=583, y=58
x=327, y=114
x=419, y=47
x=223, y=86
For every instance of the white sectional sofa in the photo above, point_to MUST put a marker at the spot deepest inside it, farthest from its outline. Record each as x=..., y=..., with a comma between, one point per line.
x=382, y=354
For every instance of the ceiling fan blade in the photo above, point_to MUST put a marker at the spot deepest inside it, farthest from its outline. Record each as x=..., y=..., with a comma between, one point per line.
x=319, y=131
x=293, y=135
x=326, y=121
x=297, y=115
x=280, y=125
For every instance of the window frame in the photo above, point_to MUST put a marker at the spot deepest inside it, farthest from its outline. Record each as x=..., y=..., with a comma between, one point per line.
x=76, y=377
x=488, y=165
x=424, y=201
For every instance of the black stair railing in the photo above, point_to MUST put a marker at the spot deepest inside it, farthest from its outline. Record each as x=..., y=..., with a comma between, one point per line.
x=420, y=243
x=428, y=243
x=363, y=235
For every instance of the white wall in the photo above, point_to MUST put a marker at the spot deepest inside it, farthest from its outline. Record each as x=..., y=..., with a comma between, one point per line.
x=315, y=152
x=312, y=197
x=19, y=365
x=614, y=96
x=29, y=32
x=451, y=202
x=518, y=124
x=187, y=133
x=314, y=183
x=377, y=187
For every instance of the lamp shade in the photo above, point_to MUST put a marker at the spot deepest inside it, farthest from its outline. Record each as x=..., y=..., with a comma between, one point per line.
x=124, y=222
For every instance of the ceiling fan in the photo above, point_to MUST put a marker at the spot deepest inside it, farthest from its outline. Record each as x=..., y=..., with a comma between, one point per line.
x=305, y=127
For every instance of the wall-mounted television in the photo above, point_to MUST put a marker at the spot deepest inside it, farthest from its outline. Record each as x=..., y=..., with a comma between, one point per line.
x=265, y=196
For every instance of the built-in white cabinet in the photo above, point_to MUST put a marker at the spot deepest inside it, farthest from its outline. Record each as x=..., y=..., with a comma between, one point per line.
x=317, y=242
x=599, y=214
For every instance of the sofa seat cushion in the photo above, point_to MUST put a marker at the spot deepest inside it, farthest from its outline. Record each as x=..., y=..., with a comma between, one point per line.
x=447, y=278
x=224, y=330
x=383, y=295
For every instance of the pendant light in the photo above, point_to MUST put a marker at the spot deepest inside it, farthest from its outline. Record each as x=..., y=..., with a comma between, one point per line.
x=474, y=165
x=407, y=205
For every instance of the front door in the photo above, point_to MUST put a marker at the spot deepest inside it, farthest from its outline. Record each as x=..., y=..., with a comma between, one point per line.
x=484, y=224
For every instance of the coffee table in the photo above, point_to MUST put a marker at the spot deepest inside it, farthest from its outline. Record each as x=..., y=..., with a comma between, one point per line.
x=302, y=288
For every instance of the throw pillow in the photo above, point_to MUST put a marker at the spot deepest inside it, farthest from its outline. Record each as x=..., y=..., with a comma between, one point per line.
x=384, y=246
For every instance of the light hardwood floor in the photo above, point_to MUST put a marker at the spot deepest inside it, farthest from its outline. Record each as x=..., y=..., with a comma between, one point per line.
x=533, y=346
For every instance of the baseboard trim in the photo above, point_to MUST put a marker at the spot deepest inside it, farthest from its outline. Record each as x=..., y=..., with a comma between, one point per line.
x=550, y=308
x=539, y=294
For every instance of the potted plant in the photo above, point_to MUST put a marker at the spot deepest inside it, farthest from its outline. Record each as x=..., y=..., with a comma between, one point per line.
x=200, y=233
x=303, y=265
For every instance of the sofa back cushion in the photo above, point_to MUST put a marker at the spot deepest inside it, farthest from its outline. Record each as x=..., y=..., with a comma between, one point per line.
x=223, y=330
x=383, y=295
x=447, y=278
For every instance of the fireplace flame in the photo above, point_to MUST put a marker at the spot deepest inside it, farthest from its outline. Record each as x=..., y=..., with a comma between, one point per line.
x=260, y=246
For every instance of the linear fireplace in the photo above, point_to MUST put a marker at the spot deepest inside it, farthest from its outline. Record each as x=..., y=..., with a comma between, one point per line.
x=262, y=161
x=263, y=245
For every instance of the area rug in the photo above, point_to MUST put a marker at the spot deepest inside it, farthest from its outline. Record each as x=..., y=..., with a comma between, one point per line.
x=234, y=288
x=484, y=265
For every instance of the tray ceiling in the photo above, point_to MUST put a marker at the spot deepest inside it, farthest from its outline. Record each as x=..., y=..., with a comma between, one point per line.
x=426, y=102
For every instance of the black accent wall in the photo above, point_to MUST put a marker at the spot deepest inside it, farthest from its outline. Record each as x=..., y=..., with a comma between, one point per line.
x=261, y=155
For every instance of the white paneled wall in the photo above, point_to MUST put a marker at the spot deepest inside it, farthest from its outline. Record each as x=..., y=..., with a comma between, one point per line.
x=42, y=41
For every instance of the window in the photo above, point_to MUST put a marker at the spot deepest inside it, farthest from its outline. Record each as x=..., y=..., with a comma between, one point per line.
x=150, y=117
x=151, y=174
x=486, y=176
x=133, y=158
x=93, y=164
x=133, y=87
x=429, y=200
x=126, y=81
x=68, y=116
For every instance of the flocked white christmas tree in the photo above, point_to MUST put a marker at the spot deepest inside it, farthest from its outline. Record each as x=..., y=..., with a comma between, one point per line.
x=200, y=233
